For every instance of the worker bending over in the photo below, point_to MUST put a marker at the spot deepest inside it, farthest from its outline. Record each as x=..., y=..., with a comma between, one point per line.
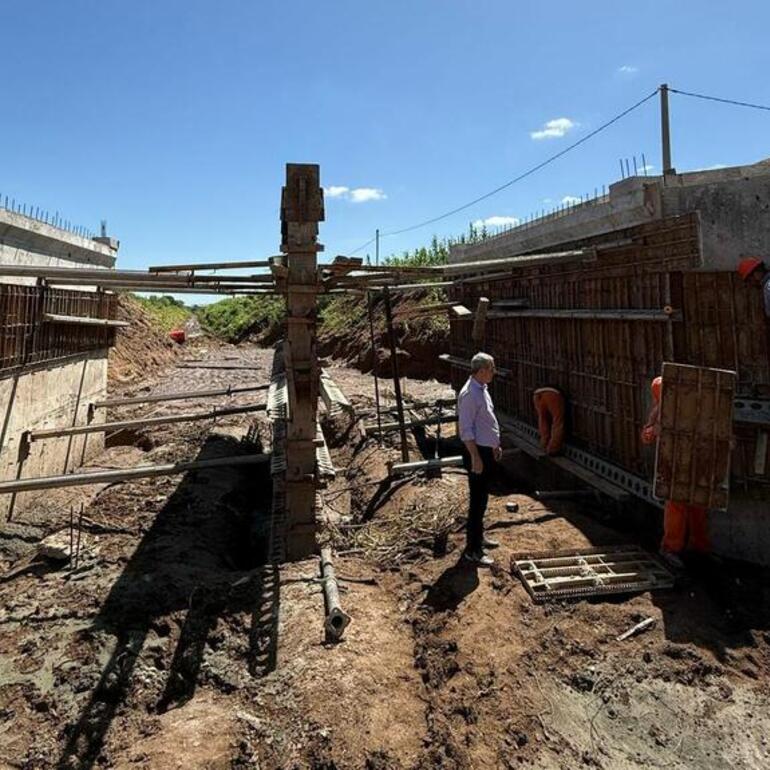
x=685, y=526
x=754, y=270
x=480, y=432
x=549, y=406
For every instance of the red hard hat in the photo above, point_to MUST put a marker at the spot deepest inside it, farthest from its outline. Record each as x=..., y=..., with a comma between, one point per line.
x=655, y=387
x=747, y=266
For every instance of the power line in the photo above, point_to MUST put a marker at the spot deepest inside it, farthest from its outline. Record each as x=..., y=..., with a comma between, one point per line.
x=363, y=245
x=719, y=99
x=527, y=173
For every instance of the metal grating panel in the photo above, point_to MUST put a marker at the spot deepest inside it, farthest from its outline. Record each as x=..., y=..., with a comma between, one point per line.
x=278, y=398
x=324, y=462
x=334, y=399
x=618, y=476
x=752, y=410
x=278, y=462
x=580, y=573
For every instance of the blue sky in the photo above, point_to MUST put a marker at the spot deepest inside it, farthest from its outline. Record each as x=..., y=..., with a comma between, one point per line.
x=173, y=119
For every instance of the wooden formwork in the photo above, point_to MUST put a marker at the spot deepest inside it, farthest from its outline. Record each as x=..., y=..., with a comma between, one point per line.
x=604, y=364
x=26, y=337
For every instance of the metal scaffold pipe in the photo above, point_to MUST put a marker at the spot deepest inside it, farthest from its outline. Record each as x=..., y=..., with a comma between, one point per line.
x=141, y=472
x=107, y=427
x=134, y=276
x=229, y=391
x=209, y=266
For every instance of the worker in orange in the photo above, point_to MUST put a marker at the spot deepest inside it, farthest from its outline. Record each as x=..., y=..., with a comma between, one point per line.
x=684, y=525
x=549, y=406
x=753, y=269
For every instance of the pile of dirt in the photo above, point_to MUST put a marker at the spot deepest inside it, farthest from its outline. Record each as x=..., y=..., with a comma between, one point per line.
x=142, y=348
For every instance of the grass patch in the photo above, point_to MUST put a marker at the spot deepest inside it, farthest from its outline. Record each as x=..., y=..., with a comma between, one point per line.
x=168, y=313
x=233, y=318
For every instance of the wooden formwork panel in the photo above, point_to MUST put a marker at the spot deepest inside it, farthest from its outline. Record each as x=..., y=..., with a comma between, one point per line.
x=604, y=367
x=26, y=338
x=696, y=427
x=725, y=327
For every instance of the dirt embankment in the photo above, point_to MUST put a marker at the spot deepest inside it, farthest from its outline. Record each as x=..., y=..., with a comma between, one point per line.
x=142, y=348
x=345, y=335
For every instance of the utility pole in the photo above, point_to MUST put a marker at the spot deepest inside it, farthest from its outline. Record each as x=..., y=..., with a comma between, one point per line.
x=377, y=246
x=665, y=131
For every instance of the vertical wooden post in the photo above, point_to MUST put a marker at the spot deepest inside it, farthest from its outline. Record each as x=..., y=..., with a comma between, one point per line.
x=480, y=321
x=301, y=210
x=374, y=367
x=396, y=378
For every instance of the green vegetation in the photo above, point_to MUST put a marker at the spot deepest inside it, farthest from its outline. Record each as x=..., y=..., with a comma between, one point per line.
x=438, y=251
x=233, y=318
x=167, y=312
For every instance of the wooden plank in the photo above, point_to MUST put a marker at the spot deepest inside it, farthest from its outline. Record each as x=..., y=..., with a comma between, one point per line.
x=692, y=463
x=83, y=321
x=480, y=320
x=460, y=312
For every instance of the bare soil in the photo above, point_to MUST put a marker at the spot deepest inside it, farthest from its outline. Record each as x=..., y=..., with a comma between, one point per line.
x=171, y=646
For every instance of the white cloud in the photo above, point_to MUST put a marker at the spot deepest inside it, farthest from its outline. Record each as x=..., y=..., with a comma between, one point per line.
x=648, y=169
x=570, y=200
x=364, y=194
x=628, y=69
x=356, y=194
x=554, y=129
x=497, y=221
x=336, y=191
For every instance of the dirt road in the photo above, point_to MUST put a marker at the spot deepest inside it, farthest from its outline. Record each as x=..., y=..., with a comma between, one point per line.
x=169, y=646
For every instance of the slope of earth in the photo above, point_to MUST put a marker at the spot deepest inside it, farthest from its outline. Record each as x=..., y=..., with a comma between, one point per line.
x=141, y=348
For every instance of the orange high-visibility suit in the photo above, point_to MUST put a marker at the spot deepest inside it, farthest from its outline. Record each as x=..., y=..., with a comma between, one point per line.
x=684, y=525
x=549, y=405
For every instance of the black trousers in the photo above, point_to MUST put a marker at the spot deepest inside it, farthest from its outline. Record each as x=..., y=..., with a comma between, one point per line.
x=478, y=486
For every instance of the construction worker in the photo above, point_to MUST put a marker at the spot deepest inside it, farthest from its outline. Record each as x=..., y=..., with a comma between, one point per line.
x=684, y=525
x=753, y=269
x=549, y=406
x=480, y=432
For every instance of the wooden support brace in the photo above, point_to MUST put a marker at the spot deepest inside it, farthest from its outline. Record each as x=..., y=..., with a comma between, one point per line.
x=480, y=321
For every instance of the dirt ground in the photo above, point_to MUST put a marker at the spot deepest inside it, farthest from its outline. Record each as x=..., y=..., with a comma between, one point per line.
x=170, y=646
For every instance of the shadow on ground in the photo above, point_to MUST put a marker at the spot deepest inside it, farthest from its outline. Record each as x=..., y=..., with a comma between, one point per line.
x=190, y=560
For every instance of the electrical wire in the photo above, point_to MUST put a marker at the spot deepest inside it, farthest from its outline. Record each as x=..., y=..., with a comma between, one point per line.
x=719, y=99
x=527, y=173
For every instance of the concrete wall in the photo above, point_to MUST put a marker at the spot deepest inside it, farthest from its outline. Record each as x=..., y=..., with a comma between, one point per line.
x=55, y=394
x=26, y=241
x=732, y=203
x=48, y=397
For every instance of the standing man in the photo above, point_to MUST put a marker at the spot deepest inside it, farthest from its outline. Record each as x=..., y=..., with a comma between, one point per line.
x=480, y=432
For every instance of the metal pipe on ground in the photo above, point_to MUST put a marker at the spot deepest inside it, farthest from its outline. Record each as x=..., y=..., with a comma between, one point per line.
x=391, y=426
x=396, y=469
x=564, y=494
x=140, y=472
x=107, y=427
x=337, y=620
x=229, y=391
